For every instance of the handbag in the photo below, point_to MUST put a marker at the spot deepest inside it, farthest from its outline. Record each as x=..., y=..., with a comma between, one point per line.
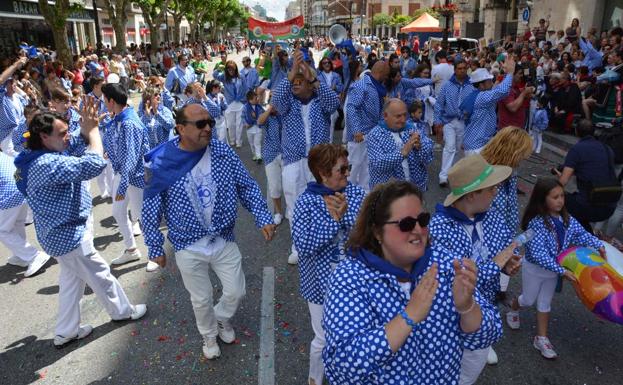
x=609, y=192
x=176, y=88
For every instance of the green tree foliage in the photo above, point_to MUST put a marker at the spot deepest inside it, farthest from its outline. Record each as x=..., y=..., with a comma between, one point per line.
x=56, y=16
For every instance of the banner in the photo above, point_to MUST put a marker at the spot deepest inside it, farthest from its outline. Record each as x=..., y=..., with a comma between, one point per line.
x=263, y=30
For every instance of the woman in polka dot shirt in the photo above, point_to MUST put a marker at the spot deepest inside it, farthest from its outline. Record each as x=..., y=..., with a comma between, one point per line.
x=400, y=311
x=323, y=216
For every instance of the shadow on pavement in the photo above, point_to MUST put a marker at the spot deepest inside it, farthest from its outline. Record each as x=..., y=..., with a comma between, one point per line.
x=15, y=274
x=108, y=222
x=28, y=355
x=101, y=243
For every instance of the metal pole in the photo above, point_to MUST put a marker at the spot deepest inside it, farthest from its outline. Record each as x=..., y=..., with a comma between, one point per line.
x=444, y=40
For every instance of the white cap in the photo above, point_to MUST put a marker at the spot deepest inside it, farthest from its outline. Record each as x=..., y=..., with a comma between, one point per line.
x=480, y=75
x=113, y=78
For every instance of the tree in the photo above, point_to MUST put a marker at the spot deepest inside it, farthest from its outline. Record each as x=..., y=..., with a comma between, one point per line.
x=154, y=13
x=400, y=20
x=381, y=19
x=56, y=16
x=421, y=11
x=118, y=18
x=178, y=9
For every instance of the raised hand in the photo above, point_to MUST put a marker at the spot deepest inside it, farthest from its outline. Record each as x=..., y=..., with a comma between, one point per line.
x=465, y=274
x=423, y=295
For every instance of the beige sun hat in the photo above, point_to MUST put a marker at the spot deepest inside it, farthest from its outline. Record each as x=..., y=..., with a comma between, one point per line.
x=471, y=174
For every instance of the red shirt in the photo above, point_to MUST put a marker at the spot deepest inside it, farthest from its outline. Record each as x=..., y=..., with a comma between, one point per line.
x=508, y=118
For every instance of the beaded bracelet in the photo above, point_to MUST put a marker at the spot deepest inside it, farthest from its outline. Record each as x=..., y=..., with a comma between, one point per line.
x=408, y=320
x=468, y=310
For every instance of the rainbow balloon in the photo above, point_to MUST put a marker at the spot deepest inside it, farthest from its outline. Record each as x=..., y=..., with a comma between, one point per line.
x=600, y=286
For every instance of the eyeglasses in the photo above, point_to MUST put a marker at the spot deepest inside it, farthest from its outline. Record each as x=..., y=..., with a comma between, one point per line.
x=345, y=168
x=201, y=124
x=407, y=224
x=326, y=63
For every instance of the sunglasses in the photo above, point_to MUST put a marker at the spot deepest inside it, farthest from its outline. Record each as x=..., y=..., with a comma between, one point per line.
x=407, y=224
x=345, y=168
x=201, y=124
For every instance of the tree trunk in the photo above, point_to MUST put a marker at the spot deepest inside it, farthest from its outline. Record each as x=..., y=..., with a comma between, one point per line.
x=119, y=27
x=61, y=44
x=154, y=37
x=177, y=19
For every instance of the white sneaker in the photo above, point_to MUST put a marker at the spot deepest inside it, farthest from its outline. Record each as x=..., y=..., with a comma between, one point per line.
x=226, y=331
x=152, y=266
x=492, y=357
x=15, y=261
x=293, y=258
x=105, y=196
x=136, y=229
x=139, y=311
x=210, y=348
x=127, y=256
x=543, y=345
x=37, y=263
x=512, y=319
x=277, y=219
x=60, y=341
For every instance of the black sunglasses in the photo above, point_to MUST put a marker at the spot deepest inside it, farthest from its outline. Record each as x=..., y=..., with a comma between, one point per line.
x=345, y=168
x=407, y=224
x=201, y=124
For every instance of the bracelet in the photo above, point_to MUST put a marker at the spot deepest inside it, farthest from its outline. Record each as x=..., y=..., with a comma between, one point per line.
x=468, y=310
x=408, y=320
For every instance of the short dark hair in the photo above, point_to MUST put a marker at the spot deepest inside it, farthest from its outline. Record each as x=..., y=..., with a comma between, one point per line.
x=41, y=123
x=59, y=94
x=181, y=56
x=95, y=80
x=180, y=115
x=116, y=92
x=323, y=157
x=250, y=94
x=460, y=61
x=441, y=55
x=584, y=128
x=416, y=105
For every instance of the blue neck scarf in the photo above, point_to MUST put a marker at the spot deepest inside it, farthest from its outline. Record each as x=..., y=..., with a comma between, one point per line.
x=559, y=227
x=458, y=216
x=320, y=189
x=22, y=163
x=380, y=88
x=379, y=264
x=383, y=124
x=169, y=163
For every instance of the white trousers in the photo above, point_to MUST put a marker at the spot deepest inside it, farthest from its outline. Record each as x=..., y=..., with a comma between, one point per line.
x=334, y=117
x=453, y=140
x=316, y=366
x=195, y=270
x=358, y=158
x=295, y=177
x=13, y=233
x=133, y=200
x=6, y=145
x=254, y=135
x=537, y=284
x=472, y=363
x=233, y=121
x=537, y=140
x=273, y=177
x=81, y=266
x=221, y=129
x=105, y=180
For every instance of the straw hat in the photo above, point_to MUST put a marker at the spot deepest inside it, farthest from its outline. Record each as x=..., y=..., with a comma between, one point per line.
x=471, y=174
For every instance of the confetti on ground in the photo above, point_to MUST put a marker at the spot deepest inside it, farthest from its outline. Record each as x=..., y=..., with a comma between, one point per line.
x=43, y=374
x=164, y=338
x=134, y=333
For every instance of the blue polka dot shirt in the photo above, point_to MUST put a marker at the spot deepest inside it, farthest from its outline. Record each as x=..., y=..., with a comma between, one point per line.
x=363, y=108
x=361, y=301
x=451, y=94
x=319, y=239
x=9, y=194
x=543, y=249
x=483, y=123
x=60, y=202
x=506, y=202
x=158, y=125
x=323, y=104
x=271, y=147
x=450, y=234
x=233, y=184
x=11, y=114
x=385, y=158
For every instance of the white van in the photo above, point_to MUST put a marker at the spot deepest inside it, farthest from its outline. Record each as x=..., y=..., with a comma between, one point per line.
x=459, y=44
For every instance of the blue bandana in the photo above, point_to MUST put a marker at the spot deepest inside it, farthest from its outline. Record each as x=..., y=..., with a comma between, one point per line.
x=377, y=263
x=458, y=216
x=23, y=162
x=320, y=189
x=168, y=164
x=560, y=232
x=380, y=88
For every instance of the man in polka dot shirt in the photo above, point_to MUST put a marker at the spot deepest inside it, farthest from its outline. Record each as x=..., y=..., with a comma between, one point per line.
x=196, y=181
x=305, y=105
x=50, y=173
x=363, y=112
x=11, y=108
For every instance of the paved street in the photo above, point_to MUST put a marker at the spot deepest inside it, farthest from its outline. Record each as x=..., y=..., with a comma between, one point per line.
x=165, y=347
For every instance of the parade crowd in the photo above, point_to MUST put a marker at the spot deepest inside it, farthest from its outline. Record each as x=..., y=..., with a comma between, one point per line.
x=395, y=294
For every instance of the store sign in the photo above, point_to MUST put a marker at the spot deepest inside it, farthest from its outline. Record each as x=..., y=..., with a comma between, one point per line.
x=32, y=9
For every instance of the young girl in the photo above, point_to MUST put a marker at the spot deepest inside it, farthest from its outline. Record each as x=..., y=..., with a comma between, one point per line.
x=555, y=231
x=252, y=111
x=214, y=93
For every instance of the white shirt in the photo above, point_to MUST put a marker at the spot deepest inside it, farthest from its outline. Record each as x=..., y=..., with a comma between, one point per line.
x=405, y=163
x=440, y=74
x=306, y=126
x=479, y=250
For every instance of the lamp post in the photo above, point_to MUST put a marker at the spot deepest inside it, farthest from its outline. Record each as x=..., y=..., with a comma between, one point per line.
x=350, y=17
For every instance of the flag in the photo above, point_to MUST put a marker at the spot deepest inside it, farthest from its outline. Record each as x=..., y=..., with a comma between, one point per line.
x=263, y=30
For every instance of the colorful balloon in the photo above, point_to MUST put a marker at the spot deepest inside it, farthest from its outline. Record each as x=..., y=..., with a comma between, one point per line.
x=599, y=286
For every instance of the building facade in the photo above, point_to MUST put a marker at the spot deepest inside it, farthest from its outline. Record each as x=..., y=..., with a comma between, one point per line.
x=293, y=10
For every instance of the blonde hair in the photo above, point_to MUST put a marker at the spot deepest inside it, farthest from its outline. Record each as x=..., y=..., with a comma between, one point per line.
x=508, y=147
